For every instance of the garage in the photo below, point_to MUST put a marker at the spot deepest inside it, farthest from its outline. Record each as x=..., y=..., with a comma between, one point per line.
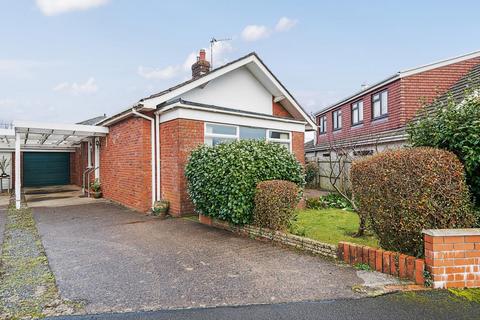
x=46, y=168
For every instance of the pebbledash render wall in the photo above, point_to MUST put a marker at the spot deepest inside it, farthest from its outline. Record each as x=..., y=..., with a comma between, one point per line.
x=405, y=97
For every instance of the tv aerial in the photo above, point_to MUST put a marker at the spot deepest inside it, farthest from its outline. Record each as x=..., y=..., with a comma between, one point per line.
x=212, y=42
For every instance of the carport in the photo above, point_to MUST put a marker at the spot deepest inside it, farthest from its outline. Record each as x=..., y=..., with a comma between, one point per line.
x=45, y=147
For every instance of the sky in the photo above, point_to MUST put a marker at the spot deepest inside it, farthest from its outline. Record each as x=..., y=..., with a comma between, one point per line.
x=70, y=60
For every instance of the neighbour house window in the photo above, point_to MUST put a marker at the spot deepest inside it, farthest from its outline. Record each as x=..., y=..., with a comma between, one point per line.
x=221, y=133
x=357, y=113
x=337, y=119
x=380, y=104
x=323, y=124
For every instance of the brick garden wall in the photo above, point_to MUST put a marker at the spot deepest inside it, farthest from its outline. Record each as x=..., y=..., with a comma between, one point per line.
x=394, y=263
x=453, y=257
x=125, y=167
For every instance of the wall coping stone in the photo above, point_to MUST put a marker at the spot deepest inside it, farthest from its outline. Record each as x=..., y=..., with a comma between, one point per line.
x=452, y=232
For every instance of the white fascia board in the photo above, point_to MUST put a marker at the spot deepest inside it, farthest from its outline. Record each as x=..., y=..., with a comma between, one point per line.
x=23, y=126
x=220, y=116
x=152, y=103
x=285, y=93
x=10, y=133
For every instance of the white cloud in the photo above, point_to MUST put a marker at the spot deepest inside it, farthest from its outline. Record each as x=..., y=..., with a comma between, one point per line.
x=17, y=68
x=285, y=24
x=161, y=74
x=54, y=7
x=191, y=58
x=88, y=87
x=255, y=32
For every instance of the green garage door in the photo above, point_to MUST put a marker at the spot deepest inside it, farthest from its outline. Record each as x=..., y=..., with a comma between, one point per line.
x=46, y=168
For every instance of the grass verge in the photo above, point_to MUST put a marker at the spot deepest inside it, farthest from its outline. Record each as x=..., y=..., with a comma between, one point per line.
x=27, y=285
x=330, y=226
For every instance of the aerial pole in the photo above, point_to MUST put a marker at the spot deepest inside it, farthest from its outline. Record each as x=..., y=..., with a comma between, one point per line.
x=212, y=42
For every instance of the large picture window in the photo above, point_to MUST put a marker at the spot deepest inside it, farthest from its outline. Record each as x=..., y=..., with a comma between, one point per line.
x=357, y=113
x=380, y=104
x=222, y=133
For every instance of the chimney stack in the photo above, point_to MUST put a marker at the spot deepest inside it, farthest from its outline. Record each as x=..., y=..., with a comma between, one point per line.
x=364, y=86
x=201, y=66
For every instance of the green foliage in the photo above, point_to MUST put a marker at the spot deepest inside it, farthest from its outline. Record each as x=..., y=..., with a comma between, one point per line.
x=454, y=127
x=362, y=266
x=332, y=200
x=275, y=203
x=407, y=190
x=222, y=179
x=95, y=186
x=311, y=170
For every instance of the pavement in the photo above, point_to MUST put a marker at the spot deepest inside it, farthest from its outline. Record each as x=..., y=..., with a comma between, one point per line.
x=3, y=217
x=434, y=305
x=117, y=260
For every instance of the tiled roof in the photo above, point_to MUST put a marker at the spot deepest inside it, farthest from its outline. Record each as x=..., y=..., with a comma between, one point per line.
x=92, y=121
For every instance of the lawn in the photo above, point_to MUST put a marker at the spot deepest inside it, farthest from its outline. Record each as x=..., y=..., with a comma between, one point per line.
x=330, y=226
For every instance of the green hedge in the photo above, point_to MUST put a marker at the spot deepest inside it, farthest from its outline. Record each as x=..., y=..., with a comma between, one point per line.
x=275, y=203
x=222, y=179
x=407, y=190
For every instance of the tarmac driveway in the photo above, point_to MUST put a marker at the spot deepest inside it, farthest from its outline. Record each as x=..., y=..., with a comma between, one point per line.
x=114, y=259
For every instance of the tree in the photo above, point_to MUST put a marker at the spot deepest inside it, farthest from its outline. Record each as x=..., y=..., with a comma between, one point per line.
x=455, y=127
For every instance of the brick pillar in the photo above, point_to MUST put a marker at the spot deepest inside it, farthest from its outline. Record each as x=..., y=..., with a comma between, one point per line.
x=452, y=257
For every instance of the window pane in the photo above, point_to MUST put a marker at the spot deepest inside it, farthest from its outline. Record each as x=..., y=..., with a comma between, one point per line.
x=279, y=135
x=284, y=144
x=360, y=111
x=219, y=129
x=213, y=141
x=339, y=120
x=252, y=133
x=376, y=109
x=355, y=116
x=384, y=102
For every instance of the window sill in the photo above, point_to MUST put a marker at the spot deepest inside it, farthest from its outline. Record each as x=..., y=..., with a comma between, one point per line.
x=357, y=125
x=380, y=118
x=336, y=131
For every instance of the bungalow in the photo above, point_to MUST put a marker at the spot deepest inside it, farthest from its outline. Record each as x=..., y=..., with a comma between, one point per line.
x=140, y=154
x=376, y=117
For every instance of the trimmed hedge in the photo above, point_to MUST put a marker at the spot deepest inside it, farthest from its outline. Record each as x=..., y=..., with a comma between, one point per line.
x=275, y=203
x=222, y=179
x=407, y=190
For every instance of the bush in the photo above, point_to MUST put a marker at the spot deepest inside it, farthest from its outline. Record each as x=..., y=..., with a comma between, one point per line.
x=315, y=203
x=454, y=127
x=407, y=190
x=222, y=179
x=311, y=170
x=275, y=203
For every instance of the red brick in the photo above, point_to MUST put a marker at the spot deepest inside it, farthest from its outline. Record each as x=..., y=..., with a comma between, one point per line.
x=371, y=258
x=419, y=268
x=456, y=239
x=379, y=260
x=402, y=266
x=411, y=268
x=346, y=253
x=365, y=255
x=472, y=239
x=464, y=246
x=353, y=254
x=394, y=263
x=386, y=261
x=205, y=219
x=359, y=254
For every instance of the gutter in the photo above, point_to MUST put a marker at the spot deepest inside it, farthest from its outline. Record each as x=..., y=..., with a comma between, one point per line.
x=153, y=144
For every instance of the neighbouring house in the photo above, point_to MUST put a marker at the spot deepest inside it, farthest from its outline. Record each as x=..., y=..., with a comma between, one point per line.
x=139, y=154
x=376, y=117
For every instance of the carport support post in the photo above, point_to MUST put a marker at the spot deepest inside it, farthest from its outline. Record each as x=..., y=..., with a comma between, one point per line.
x=18, y=196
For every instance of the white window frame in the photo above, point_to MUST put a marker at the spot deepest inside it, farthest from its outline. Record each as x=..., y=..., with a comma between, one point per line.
x=382, y=113
x=237, y=135
x=322, y=125
x=89, y=154
x=337, y=119
x=358, y=107
x=289, y=140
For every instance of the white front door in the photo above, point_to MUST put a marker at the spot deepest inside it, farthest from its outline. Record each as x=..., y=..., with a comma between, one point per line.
x=8, y=157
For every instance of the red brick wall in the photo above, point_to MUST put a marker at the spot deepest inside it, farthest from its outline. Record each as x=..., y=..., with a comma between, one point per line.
x=78, y=163
x=298, y=146
x=453, y=258
x=369, y=126
x=405, y=97
x=279, y=111
x=125, y=167
x=177, y=139
x=426, y=86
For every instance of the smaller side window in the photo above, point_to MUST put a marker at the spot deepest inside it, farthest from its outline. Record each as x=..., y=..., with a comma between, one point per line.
x=380, y=104
x=357, y=113
x=322, y=126
x=337, y=119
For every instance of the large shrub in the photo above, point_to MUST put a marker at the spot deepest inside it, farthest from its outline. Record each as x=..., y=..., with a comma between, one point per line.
x=222, y=179
x=454, y=127
x=275, y=203
x=407, y=190
x=311, y=171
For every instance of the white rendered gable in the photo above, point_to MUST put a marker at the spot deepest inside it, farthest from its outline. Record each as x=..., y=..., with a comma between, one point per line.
x=238, y=89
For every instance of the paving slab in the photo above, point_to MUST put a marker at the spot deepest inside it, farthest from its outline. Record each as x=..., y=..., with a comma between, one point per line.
x=115, y=259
